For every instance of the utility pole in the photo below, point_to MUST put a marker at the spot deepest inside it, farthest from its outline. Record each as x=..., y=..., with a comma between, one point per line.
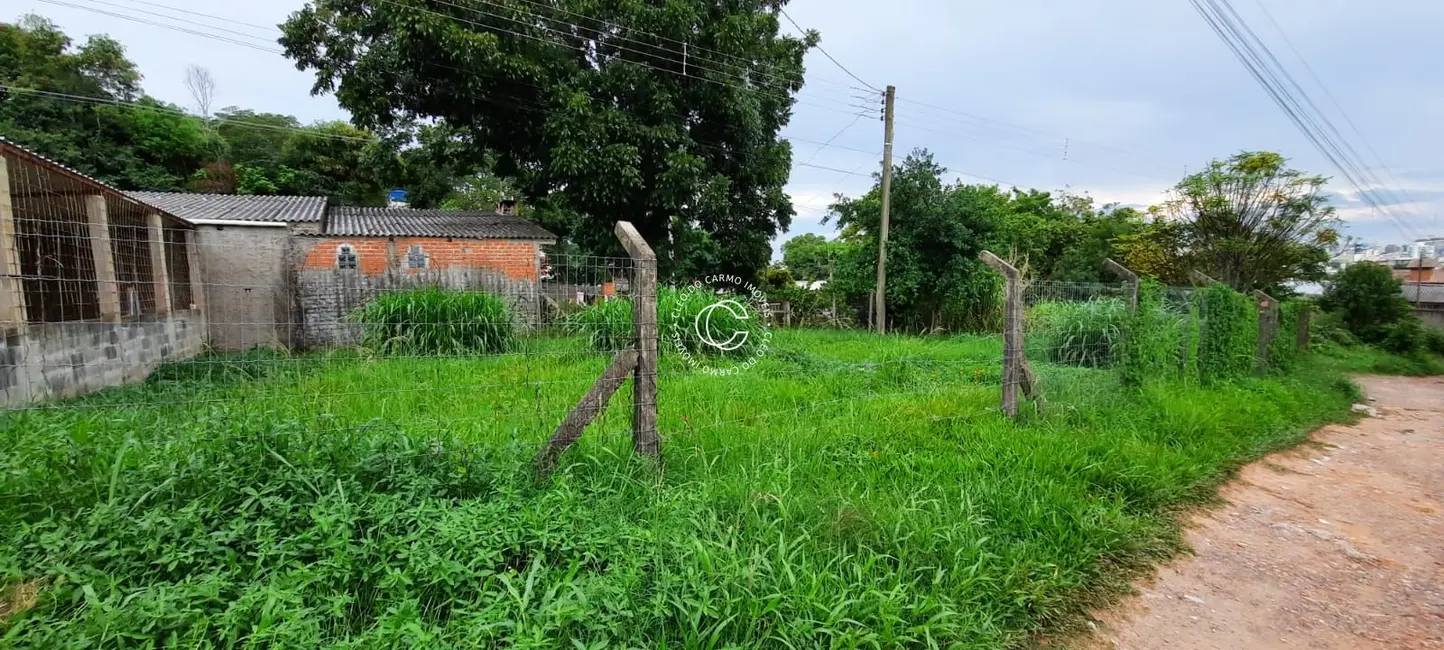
x=881, y=311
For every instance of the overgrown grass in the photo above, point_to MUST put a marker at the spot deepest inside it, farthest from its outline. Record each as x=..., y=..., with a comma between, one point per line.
x=436, y=321
x=1087, y=333
x=850, y=491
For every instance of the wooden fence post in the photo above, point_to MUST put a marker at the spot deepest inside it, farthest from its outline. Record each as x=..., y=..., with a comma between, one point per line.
x=1013, y=375
x=645, y=440
x=1129, y=277
x=1199, y=278
x=570, y=430
x=1301, y=337
x=1268, y=327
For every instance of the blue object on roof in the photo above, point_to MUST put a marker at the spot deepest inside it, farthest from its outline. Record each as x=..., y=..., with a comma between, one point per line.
x=397, y=195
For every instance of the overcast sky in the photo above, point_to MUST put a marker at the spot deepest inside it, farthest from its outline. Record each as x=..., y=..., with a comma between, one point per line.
x=1135, y=91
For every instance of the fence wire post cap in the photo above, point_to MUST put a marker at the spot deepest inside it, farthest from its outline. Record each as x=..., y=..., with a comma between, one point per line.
x=632, y=241
x=997, y=262
x=1119, y=269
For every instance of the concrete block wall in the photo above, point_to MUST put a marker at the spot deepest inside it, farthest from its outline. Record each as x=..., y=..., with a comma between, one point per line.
x=246, y=275
x=58, y=360
x=327, y=297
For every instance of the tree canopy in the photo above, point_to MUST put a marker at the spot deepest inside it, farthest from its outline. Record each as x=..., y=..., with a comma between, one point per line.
x=84, y=107
x=604, y=114
x=1249, y=221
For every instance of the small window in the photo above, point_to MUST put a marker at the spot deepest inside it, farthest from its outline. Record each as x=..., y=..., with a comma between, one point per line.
x=346, y=258
x=416, y=258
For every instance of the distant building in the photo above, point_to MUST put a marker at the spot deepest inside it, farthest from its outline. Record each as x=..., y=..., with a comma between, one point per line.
x=288, y=270
x=1428, y=301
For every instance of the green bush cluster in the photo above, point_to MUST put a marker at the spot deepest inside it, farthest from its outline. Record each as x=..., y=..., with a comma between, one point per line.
x=1155, y=337
x=1228, y=336
x=608, y=324
x=436, y=322
x=1284, y=348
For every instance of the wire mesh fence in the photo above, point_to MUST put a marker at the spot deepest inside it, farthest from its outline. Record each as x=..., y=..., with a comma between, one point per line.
x=512, y=342
x=176, y=390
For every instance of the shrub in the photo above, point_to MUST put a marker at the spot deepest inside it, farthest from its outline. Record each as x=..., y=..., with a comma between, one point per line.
x=1085, y=333
x=1329, y=329
x=1367, y=298
x=1284, y=349
x=434, y=322
x=1228, y=333
x=1434, y=341
x=1405, y=336
x=609, y=324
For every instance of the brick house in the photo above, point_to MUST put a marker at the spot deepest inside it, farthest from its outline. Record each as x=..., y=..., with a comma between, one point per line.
x=286, y=271
x=362, y=252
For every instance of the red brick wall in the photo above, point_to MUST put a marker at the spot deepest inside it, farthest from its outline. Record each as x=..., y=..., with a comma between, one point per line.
x=518, y=260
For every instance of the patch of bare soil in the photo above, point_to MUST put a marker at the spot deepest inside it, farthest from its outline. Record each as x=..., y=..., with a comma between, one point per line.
x=18, y=597
x=1338, y=544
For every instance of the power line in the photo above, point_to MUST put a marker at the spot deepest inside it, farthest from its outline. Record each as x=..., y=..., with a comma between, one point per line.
x=181, y=20
x=1231, y=29
x=825, y=53
x=579, y=48
x=800, y=98
x=683, y=43
x=173, y=27
x=197, y=13
x=835, y=136
x=1353, y=127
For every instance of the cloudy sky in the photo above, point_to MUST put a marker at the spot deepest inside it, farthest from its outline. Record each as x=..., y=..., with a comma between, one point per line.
x=1113, y=98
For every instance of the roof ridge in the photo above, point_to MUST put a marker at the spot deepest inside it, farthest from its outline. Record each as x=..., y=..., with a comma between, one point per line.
x=214, y=194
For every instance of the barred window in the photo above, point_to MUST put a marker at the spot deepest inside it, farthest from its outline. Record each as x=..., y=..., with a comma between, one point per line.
x=346, y=258
x=416, y=258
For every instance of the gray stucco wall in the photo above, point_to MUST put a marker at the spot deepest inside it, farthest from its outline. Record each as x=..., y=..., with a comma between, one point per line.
x=247, y=282
x=327, y=297
x=54, y=360
x=1431, y=314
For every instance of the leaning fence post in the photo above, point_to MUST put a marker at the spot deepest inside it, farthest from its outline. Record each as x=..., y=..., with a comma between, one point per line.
x=1268, y=326
x=1301, y=337
x=1012, y=331
x=645, y=440
x=1129, y=277
x=1198, y=277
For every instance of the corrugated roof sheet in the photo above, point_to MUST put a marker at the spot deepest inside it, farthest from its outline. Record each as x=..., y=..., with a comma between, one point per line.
x=1426, y=292
x=406, y=222
x=6, y=143
x=236, y=207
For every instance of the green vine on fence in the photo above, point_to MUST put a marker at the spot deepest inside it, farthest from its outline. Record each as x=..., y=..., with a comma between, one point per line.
x=1228, y=333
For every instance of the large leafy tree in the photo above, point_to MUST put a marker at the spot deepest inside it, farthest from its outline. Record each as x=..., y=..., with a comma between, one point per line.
x=935, y=233
x=811, y=256
x=593, y=101
x=145, y=145
x=1252, y=222
x=1368, y=299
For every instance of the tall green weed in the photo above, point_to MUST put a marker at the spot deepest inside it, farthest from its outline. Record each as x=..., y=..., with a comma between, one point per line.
x=436, y=322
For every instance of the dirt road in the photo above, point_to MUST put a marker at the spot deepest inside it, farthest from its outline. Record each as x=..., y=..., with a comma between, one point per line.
x=1334, y=545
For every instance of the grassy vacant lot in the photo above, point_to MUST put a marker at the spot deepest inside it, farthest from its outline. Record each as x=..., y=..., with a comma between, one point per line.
x=846, y=492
